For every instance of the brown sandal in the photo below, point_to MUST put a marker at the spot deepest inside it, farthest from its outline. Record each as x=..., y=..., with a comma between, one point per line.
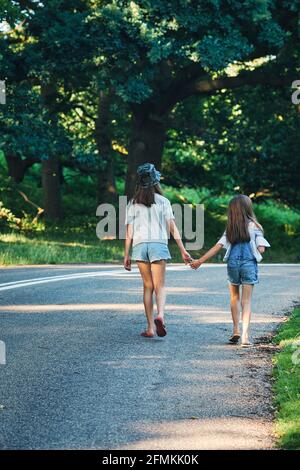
x=160, y=327
x=145, y=334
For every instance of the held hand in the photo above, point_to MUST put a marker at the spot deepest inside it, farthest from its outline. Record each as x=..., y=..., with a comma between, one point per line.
x=127, y=263
x=195, y=264
x=186, y=257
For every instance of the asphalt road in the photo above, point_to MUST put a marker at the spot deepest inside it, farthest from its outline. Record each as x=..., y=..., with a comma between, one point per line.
x=78, y=374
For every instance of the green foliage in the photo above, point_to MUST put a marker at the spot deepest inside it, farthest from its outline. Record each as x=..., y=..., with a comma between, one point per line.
x=246, y=139
x=161, y=38
x=63, y=43
x=27, y=130
x=287, y=382
x=14, y=212
x=7, y=218
x=258, y=144
x=9, y=11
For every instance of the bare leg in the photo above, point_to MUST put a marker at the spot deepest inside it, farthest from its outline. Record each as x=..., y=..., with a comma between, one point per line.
x=145, y=270
x=234, y=305
x=247, y=290
x=158, y=269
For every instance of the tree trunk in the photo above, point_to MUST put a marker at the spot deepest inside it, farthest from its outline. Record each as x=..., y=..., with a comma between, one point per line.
x=51, y=167
x=107, y=191
x=51, y=188
x=147, y=144
x=17, y=167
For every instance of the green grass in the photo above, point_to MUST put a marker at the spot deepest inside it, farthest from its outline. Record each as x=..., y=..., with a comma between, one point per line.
x=83, y=246
x=287, y=383
x=57, y=248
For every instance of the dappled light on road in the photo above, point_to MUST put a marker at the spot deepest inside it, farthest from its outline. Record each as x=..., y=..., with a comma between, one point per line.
x=230, y=433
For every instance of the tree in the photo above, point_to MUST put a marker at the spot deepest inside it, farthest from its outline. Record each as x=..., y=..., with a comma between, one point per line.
x=145, y=58
x=49, y=49
x=156, y=54
x=44, y=51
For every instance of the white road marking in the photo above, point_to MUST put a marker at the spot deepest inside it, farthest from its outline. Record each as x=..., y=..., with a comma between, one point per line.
x=66, y=277
x=31, y=282
x=43, y=280
x=60, y=276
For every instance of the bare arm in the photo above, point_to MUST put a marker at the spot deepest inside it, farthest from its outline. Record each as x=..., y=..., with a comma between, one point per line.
x=176, y=235
x=128, y=241
x=209, y=254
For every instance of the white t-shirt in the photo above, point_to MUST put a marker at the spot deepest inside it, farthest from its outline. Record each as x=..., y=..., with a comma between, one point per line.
x=150, y=224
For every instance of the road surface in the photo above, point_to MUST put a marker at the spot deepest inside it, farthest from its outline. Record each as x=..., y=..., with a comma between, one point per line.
x=79, y=376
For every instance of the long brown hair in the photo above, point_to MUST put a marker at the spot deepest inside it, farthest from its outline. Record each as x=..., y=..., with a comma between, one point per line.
x=240, y=213
x=146, y=196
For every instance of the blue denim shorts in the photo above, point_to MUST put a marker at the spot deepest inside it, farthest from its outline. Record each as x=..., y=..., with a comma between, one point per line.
x=242, y=271
x=150, y=252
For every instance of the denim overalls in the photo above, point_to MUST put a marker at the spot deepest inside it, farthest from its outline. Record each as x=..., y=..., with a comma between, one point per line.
x=242, y=264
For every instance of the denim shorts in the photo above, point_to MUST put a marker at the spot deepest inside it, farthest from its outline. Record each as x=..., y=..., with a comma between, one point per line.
x=150, y=252
x=242, y=271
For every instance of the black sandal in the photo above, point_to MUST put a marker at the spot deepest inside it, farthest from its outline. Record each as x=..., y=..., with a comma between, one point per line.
x=234, y=339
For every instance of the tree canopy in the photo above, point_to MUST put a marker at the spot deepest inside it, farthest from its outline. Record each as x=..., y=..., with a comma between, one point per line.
x=102, y=86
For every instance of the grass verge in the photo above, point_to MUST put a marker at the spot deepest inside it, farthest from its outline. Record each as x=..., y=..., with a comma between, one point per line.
x=287, y=383
x=63, y=248
x=82, y=246
x=57, y=248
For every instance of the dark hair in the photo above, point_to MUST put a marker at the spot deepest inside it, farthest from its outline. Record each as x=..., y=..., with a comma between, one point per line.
x=146, y=196
x=240, y=213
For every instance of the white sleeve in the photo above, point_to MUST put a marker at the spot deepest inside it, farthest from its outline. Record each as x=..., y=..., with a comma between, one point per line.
x=129, y=213
x=223, y=241
x=260, y=239
x=168, y=212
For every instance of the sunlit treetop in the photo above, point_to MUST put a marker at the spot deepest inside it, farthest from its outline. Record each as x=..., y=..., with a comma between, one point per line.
x=144, y=44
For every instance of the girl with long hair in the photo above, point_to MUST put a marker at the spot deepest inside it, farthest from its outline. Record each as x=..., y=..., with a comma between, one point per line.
x=149, y=221
x=244, y=243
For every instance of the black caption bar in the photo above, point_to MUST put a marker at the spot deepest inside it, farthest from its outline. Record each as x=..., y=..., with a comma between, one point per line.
x=135, y=459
